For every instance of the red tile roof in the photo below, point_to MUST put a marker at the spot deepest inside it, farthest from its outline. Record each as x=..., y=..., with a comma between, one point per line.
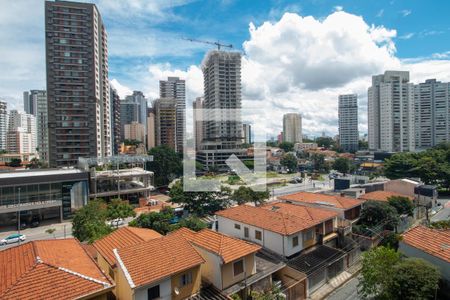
x=155, y=259
x=282, y=218
x=228, y=248
x=123, y=237
x=323, y=200
x=433, y=241
x=49, y=269
x=382, y=196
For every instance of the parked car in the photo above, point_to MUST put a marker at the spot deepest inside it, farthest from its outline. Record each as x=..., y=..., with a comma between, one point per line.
x=35, y=222
x=23, y=225
x=116, y=222
x=13, y=238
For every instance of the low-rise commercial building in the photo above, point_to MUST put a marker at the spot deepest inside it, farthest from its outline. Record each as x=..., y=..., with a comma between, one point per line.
x=45, y=194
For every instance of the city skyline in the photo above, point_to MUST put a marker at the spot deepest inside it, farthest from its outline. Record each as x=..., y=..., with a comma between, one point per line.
x=389, y=32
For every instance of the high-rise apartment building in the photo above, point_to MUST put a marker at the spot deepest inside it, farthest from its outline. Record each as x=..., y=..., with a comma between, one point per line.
x=165, y=122
x=21, y=136
x=135, y=132
x=77, y=82
x=292, y=128
x=31, y=99
x=247, y=133
x=432, y=113
x=42, y=124
x=133, y=109
x=3, y=124
x=116, y=127
x=222, y=134
x=175, y=88
x=151, y=138
x=197, y=106
x=348, y=122
x=391, y=112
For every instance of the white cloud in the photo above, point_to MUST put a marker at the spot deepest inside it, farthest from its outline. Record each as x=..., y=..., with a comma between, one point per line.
x=380, y=13
x=122, y=90
x=406, y=36
x=406, y=12
x=338, y=8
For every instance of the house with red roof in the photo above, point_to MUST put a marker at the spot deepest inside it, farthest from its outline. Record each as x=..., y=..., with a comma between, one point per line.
x=283, y=228
x=51, y=269
x=432, y=245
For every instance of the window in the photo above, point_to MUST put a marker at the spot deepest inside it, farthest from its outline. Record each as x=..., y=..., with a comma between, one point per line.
x=295, y=241
x=153, y=293
x=258, y=235
x=237, y=226
x=246, y=234
x=238, y=267
x=186, y=279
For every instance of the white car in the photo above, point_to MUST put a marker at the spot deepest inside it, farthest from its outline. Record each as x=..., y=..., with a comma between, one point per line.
x=13, y=238
x=116, y=222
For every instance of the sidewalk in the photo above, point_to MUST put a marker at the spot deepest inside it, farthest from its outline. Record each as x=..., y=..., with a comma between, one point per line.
x=336, y=282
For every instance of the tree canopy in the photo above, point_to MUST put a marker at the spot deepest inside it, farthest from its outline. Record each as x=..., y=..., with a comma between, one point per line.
x=342, y=165
x=318, y=161
x=166, y=164
x=326, y=142
x=385, y=275
x=245, y=194
x=89, y=222
x=119, y=209
x=290, y=162
x=375, y=213
x=200, y=203
x=286, y=146
x=432, y=165
x=403, y=205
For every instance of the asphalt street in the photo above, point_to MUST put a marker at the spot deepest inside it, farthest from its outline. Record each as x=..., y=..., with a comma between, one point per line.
x=346, y=292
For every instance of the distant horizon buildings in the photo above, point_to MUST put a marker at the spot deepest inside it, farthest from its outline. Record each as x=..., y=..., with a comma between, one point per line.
x=247, y=132
x=42, y=125
x=30, y=100
x=348, y=122
x=151, y=135
x=116, y=128
x=77, y=83
x=165, y=110
x=175, y=88
x=197, y=106
x=292, y=128
x=391, y=112
x=135, y=132
x=3, y=124
x=21, y=135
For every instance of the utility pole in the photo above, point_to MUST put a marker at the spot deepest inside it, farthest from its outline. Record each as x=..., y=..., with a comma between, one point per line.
x=18, y=217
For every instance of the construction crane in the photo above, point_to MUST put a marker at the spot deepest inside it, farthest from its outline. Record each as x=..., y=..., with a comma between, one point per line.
x=210, y=43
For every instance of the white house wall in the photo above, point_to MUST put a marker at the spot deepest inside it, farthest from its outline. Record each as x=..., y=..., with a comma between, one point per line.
x=211, y=268
x=165, y=290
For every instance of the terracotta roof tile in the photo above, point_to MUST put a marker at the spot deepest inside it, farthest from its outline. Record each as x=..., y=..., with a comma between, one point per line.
x=123, y=237
x=282, y=218
x=381, y=196
x=153, y=260
x=433, y=241
x=49, y=269
x=323, y=200
x=228, y=248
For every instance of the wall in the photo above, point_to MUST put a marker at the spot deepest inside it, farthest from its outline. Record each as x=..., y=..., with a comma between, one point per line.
x=289, y=249
x=270, y=240
x=165, y=290
x=210, y=269
x=104, y=265
x=401, y=187
x=414, y=252
x=123, y=289
x=189, y=289
x=227, y=271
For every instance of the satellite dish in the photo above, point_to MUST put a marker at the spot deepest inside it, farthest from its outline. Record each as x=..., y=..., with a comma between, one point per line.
x=176, y=290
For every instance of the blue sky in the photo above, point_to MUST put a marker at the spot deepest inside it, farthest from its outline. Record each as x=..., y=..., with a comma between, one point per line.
x=299, y=55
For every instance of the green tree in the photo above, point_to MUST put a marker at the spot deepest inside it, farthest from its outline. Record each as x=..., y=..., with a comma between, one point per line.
x=272, y=143
x=403, y=205
x=166, y=164
x=325, y=142
x=400, y=165
x=391, y=240
x=444, y=224
x=342, y=165
x=375, y=213
x=15, y=162
x=286, y=146
x=412, y=278
x=158, y=221
x=132, y=142
x=318, y=161
x=290, y=162
x=200, y=203
x=377, y=271
x=363, y=145
x=193, y=223
x=51, y=231
x=89, y=222
x=245, y=194
x=119, y=209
